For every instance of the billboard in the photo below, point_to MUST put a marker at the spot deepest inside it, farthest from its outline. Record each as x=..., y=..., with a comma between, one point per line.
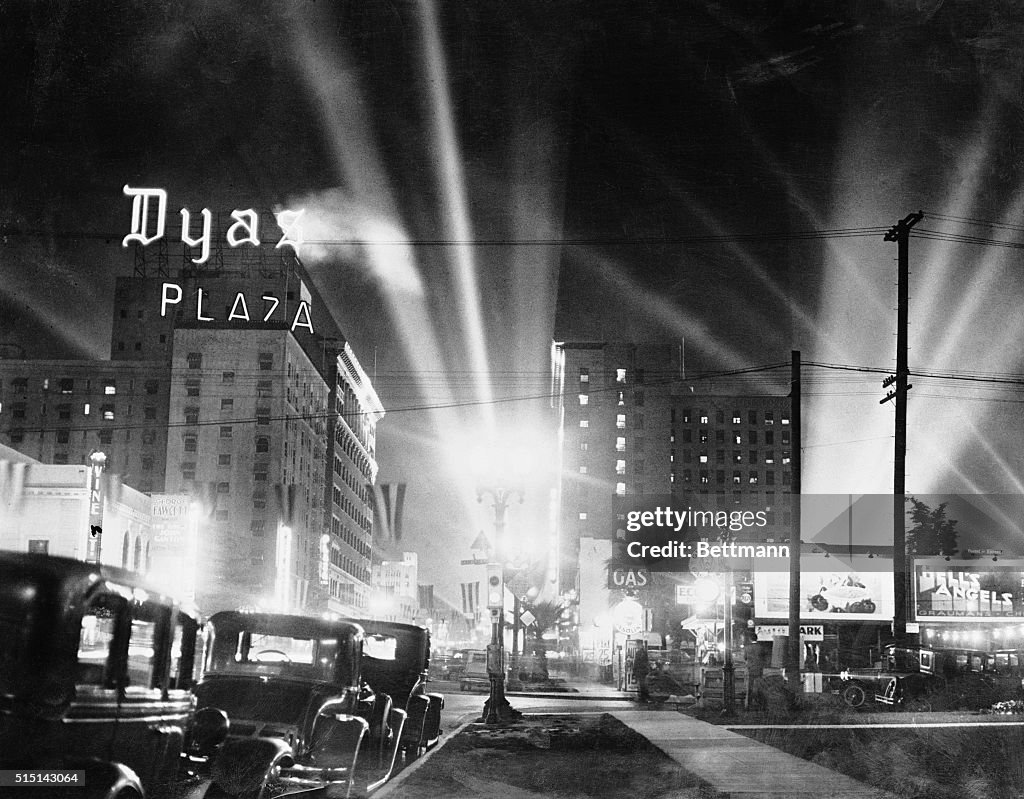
x=833, y=589
x=967, y=590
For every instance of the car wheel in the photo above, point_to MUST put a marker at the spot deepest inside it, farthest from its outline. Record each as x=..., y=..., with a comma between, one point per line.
x=854, y=695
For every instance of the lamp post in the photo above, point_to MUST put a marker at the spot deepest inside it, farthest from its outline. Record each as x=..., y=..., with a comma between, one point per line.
x=497, y=707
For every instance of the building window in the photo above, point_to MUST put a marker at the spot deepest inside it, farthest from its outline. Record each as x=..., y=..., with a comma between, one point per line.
x=191, y=415
x=736, y=477
x=149, y=412
x=39, y=546
x=582, y=515
x=769, y=417
x=620, y=467
x=147, y=463
x=63, y=436
x=225, y=431
x=785, y=456
x=222, y=514
x=704, y=477
x=752, y=478
x=620, y=444
x=190, y=442
x=620, y=375
x=258, y=526
x=584, y=423
x=260, y=476
x=110, y=388
x=583, y=470
x=106, y=437
x=148, y=437
x=703, y=456
x=785, y=437
x=620, y=488
x=266, y=361
x=64, y=411
x=259, y=502
x=584, y=445
x=737, y=456
x=620, y=421
x=17, y=435
x=152, y=386
x=703, y=435
x=787, y=478
x=769, y=437
x=194, y=360
x=264, y=388
x=262, y=444
x=223, y=488
x=192, y=387
x=227, y=378
x=224, y=459
x=769, y=457
x=227, y=405
x=638, y=398
x=584, y=375
x=108, y=412
x=686, y=415
x=687, y=475
x=67, y=385
x=188, y=471
x=584, y=399
x=752, y=456
x=769, y=478
x=784, y=420
x=263, y=416
x=703, y=417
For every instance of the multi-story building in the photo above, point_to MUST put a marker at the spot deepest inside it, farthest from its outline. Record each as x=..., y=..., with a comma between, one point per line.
x=395, y=587
x=232, y=383
x=60, y=411
x=632, y=423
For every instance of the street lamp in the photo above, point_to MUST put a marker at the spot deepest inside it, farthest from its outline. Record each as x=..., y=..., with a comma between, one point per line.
x=497, y=707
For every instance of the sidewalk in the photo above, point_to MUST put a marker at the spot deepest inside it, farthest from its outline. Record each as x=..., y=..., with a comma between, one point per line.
x=739, y=767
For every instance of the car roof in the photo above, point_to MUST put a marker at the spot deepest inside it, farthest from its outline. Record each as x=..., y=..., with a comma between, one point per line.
x=79, y=576
x=284, y=624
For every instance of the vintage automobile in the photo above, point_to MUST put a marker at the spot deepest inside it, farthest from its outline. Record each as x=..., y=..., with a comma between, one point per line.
x=921, y=678
x=96, y=668
x=295, y=684
x=396, y=662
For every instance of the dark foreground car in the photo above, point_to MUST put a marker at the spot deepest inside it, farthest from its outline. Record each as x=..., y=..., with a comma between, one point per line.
x=396, y=662
x=295, y=684
x=96, y=668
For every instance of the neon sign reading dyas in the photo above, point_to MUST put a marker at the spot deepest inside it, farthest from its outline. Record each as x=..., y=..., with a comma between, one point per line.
x=245, y=230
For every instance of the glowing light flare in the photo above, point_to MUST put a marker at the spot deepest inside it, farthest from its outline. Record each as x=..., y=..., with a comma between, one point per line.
x=452, y=182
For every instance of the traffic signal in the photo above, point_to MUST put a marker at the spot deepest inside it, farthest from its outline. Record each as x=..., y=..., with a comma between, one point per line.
x=495, y=587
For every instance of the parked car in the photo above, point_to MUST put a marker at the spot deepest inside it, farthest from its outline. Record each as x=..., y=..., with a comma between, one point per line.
x=296, y=684
x=475, y=675
x=455, y=665
x=396, y=662
x=921, y=678
x=96, y=667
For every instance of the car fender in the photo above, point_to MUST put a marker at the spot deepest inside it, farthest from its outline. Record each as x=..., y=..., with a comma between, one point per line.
x=243, y=764
x=106, y=780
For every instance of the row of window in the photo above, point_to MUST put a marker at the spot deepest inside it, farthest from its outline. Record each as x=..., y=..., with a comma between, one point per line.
x=703, y=476
x=687, y=416
x=265, y=362
x=66, y=385
x=737, y=456
x=703, y=436
x=191, y=441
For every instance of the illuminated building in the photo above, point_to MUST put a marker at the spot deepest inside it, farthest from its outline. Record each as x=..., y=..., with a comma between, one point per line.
x=245, y=396
x=632, y=422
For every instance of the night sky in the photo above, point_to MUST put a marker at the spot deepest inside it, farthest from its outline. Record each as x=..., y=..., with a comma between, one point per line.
x=678, y=147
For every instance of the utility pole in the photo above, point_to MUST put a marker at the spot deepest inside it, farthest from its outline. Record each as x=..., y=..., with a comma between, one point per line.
x=795, y=543
x=900, y=233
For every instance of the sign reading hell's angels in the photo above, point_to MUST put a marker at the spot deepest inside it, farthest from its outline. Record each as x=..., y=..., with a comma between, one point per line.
x=148, y=227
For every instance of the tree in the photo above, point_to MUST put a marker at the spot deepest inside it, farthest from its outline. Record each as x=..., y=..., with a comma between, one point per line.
x=933, y=532
x=546, y=616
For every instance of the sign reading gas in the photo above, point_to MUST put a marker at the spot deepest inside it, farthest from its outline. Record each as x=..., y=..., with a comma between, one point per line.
x=628, y=578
